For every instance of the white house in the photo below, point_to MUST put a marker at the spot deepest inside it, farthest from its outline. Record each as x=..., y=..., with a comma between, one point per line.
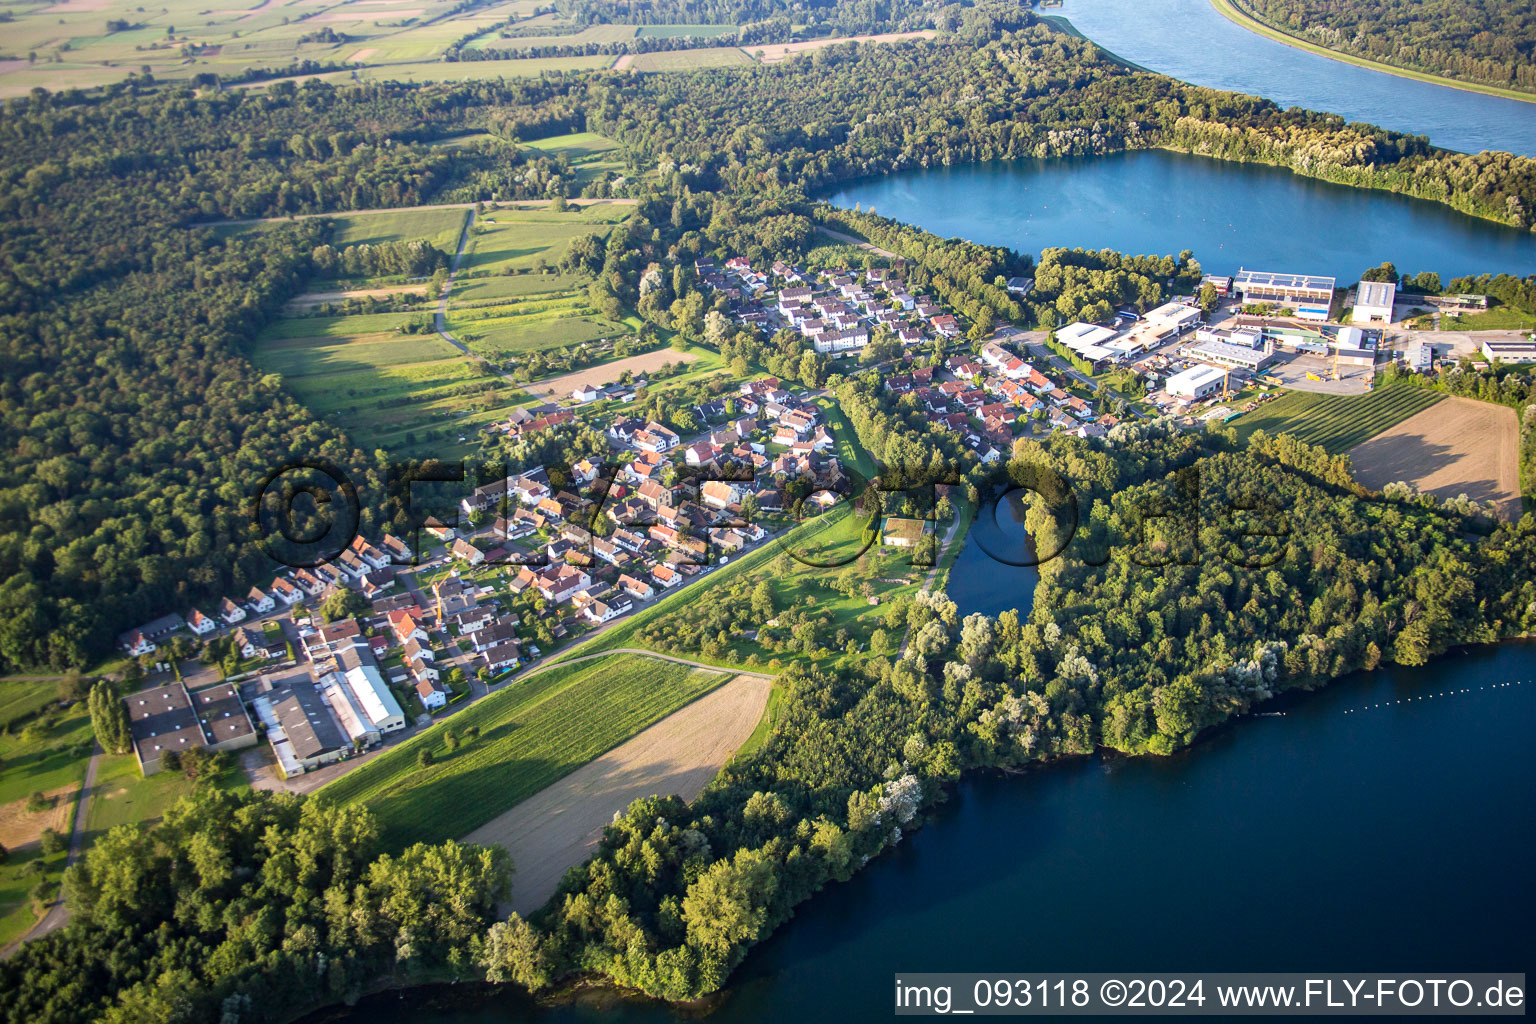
x=199, y=623
x=230, y=612
x=433, y=695
x=286, y=592
x=260, y=601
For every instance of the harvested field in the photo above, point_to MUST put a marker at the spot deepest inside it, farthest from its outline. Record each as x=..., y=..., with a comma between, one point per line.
x=20, y=828
x=363, y=54
x=558, y=827
x=607, y=373
x=1457, y=446
x=772, y=53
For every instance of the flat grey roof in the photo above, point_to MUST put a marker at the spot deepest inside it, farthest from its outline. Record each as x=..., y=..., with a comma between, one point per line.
x=307, y=722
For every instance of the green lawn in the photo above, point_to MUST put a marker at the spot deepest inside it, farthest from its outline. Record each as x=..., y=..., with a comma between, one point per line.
x=440, y=227
x=48, y=753
x=505, y=240
x=1337, y=422
x=849, y=451
x=531, y=734
x=20, y=699
x=303, y=327
x=124, y=797
x=1500, y=318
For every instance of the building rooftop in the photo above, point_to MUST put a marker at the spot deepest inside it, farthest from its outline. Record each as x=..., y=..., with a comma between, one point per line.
x=1265, y=278
x=307, y=722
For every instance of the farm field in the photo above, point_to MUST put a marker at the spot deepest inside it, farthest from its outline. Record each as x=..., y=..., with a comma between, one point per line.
x=677, y=31
x=558, y=827
x=685, y=60
x=772, y=53
x=531, y=324
x=532, y=734
x=440, y=226
x=1337, y=422
x=1457, y=446
x=510, y=240
x=406, y=393
x=607, y=373
x=506, y=258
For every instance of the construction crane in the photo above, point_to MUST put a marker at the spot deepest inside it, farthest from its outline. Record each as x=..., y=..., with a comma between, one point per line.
x=1225, y=377
x=1335, y=362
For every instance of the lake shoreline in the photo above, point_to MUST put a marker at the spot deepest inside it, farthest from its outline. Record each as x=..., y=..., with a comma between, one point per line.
x=1229, y=11
x=588, y=992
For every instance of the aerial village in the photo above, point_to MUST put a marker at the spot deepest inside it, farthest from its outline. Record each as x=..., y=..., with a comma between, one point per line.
x=547, y=555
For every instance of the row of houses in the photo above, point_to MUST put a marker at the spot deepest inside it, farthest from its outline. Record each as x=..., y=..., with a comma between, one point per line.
x=836, y=310
x=363, y=565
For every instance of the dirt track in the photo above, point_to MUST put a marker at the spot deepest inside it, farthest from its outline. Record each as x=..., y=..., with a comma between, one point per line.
x=607, y=373
x=1456, y=446
x=558, y=827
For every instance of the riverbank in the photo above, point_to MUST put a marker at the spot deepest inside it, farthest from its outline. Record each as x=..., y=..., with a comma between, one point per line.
x=1062, y=24
x=1252, y=24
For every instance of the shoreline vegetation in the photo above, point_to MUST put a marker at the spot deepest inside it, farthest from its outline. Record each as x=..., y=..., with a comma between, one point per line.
x=1229, y=10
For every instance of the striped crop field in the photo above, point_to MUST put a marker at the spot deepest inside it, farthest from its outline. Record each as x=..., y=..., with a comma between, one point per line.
x=1338, y=422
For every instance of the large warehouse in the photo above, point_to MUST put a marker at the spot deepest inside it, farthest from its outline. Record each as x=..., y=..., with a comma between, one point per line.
x=1195, y=382
x=1511, y=351
x=1222, y=354
x=1310, y=296
x=1373, y=302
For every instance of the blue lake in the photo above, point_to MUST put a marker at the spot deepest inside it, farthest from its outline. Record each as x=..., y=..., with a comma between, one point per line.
x=1231, y=215
x=1190, y=40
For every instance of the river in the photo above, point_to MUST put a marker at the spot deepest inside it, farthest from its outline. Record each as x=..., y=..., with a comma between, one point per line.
x=1230, y=214
x=1190, y=40
x=1382, y=824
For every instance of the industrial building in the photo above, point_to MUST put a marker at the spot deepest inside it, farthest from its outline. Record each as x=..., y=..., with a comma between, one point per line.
x=1373, y=302
x=1352, y=348
x=1176, y=315
x=1088, y=340
x=171, y=719
x=1419, y=357
x=1196, y=382
x=1239, y=356
x=360, y=673
x=1241, y=336
x=1511, y=351
x=299, y=725
x=1310, y=296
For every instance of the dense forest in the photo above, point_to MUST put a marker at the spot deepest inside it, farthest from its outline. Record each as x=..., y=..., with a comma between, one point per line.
x=1492, y=42
x=251, y=907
